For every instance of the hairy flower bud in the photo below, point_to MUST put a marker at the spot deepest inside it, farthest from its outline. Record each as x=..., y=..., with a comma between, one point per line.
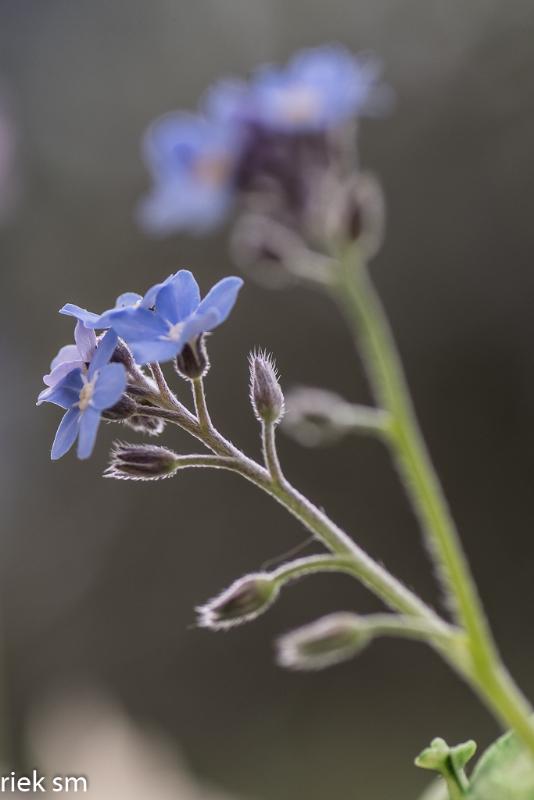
x=243, y=601
x=123, y=355
x=193, y=362
x=327, y=641
x=121, y=411
x=266, y=395
x=141, y=462
x=153, y=426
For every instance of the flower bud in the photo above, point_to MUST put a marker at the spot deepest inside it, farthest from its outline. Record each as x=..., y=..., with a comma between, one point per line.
x=317, y=416
x=266, y=395
x=327, y=641
x=123, y=355
x=193, y=363
x=243, y=601
x=141, y=462
x=121, y=411
x=153, y=426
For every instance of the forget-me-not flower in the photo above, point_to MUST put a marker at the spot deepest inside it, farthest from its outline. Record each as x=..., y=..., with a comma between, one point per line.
x=70, y=357
x=192, y=160
x=85, y=393
x=125, y=300
x=319, y=89
x=179, y=317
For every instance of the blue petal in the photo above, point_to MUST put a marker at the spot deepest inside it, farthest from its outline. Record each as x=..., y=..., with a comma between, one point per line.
x=66, y=434
x=198, y=324
x=88, y=317
x=136, y=324
x=221, y=298
x=58, y=374
x=149, y=300
x=179, y=298
x=66, y=393
x=128, y=299
x=85, y=339
x=104, y=351
x=154, y=351
x=68, y=352
x=89, y=422
x=109, y=387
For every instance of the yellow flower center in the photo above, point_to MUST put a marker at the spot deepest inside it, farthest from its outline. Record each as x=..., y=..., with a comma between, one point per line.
x=212, y=170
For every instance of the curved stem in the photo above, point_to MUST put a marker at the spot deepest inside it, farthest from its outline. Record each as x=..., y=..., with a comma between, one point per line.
x=357, y=296
x=201, y=406
x=270, y=454
x=372, y=574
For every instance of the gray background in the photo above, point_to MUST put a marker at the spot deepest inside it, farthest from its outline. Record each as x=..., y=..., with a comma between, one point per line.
x=99, y=578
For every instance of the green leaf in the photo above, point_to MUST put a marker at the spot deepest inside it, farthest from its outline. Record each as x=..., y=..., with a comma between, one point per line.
x=504, y=772
x=450, y=763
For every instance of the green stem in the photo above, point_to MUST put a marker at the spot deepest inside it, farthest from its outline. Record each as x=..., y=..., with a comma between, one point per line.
x=357, y=296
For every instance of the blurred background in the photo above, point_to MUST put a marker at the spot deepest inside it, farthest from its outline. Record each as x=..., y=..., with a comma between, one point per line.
x=99, y=578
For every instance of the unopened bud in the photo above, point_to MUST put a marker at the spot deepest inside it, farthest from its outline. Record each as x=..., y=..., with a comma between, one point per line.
x=327, y=641
x=141, y=462
x=317, y=417
x=243, y=601
x=193, y=363
x=153, y=426
x=266, y=395
x=123, y=355
x=121, y=411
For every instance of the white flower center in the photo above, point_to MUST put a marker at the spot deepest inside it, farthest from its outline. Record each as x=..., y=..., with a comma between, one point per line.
x=86, y=394
x=175, y=331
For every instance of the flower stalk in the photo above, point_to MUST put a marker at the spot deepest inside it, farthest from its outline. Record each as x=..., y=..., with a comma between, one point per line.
x=354, y=291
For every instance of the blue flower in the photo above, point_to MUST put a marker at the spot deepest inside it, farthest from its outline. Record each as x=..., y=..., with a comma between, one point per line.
x=179, y=317
x=85, y=393
x=105, y=320
x=319, y=89
x=192, y=160
x=70, y=357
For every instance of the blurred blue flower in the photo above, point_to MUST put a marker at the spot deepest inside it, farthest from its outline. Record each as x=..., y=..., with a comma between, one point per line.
x=126, y=300
x=179, y=317
x=192, y=160
x=70, y=357
x=319, y=89
x=85, y=393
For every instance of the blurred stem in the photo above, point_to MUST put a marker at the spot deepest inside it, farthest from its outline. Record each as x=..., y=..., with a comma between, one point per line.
x=365, y=313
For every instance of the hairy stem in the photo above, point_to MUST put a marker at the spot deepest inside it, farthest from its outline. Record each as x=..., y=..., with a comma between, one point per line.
x=270, y=454
x=357, y=296
x=372, y=574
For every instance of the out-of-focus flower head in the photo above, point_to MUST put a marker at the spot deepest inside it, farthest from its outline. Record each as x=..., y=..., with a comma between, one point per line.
x=192, y=160
x=319, y=89
x=281, y=146
x=178, y=318
x=85, y=392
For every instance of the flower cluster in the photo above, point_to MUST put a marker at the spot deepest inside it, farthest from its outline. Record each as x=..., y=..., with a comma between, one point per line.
x=102, y=376
x=282, y=144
